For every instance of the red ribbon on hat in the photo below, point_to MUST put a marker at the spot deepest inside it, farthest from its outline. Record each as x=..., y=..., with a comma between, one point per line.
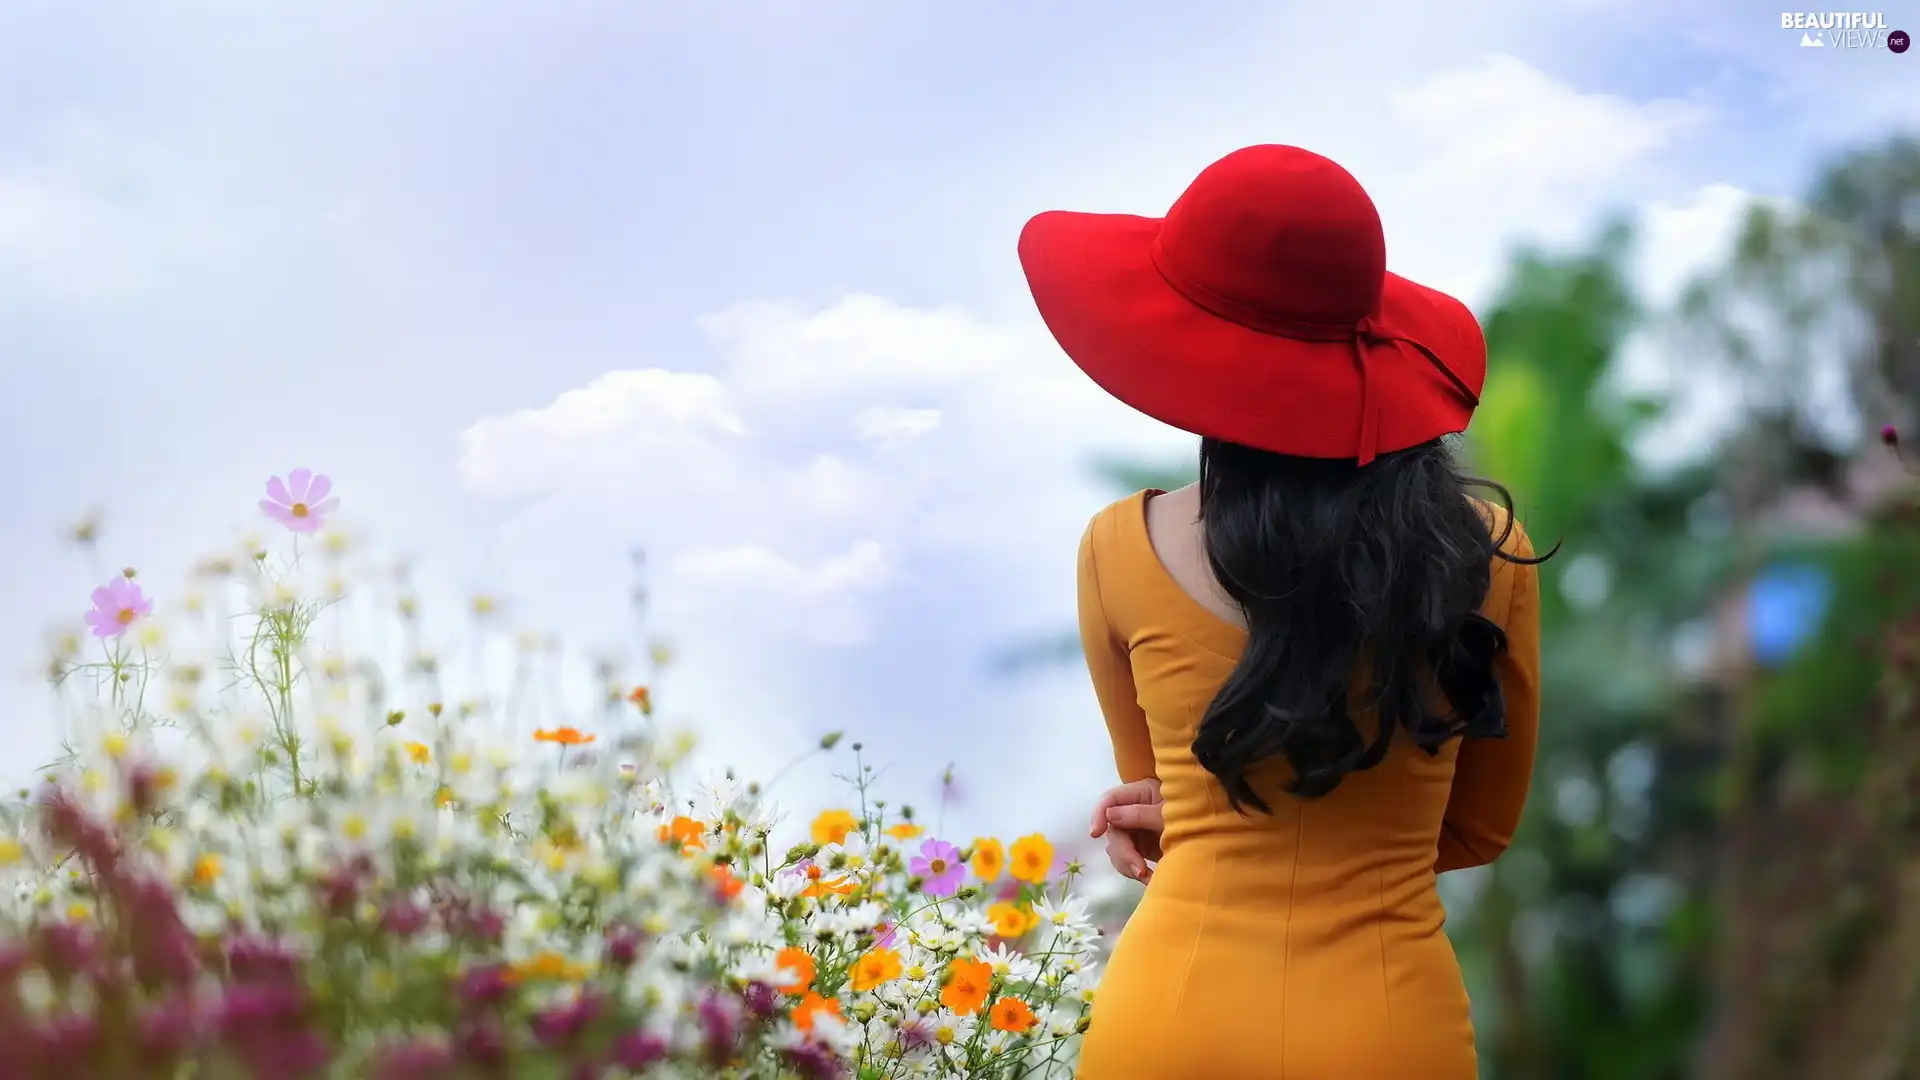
x=1365, y=336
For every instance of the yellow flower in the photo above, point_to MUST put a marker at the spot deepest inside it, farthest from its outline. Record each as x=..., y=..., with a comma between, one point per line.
x=906, y=830
x=419, y=753
x=1032, y=858
x=875, y=967
x=833, y=826
x=1010, y=920
x=989, y=858
x=206, y=870
x=11, y=851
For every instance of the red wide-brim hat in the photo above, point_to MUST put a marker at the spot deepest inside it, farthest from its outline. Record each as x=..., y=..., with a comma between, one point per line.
x=1260, y=311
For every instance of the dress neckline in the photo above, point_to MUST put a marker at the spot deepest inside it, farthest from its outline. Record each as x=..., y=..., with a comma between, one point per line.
x=1199, y=625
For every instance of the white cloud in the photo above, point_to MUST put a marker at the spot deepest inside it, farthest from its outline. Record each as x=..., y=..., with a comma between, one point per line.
x=1499, y=152
x=90, y=218
x=622, y=422
x=894, y=426
x=1506, y=126
x=822, y=603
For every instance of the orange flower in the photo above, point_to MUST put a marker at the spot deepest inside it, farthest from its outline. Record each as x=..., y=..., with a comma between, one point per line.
x=876, y=966
x=906, y=830
x=797, y=960
x=810, y=1009
x=1010, y=920
x=689, y=833
x=1011, y=1014
x=642, y=699
x=833, y=826
x=967, y=984
x=1032, y=858
x=826, y=886
x=419, y=752
x=819, y=884
x=546, y=966
x=989, y=858
x=565, y=736
x=726, y=884
x=206, y=870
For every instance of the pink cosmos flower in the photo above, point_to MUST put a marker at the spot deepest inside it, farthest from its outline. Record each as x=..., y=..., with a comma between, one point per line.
x=939, y=865
x=117, y=605
x=300, y=502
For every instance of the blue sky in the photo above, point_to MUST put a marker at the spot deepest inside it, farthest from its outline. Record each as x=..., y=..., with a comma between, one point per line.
x=535, y=283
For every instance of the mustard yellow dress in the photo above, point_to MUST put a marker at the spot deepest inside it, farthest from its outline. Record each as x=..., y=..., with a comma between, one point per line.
x=1305, y=945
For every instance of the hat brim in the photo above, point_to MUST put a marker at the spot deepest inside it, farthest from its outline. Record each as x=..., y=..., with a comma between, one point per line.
x=1094, y=281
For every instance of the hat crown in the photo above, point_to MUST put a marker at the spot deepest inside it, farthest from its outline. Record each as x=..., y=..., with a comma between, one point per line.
x=1279, y=232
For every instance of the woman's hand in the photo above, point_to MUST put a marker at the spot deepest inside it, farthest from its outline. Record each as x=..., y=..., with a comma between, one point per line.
x=1129, y=816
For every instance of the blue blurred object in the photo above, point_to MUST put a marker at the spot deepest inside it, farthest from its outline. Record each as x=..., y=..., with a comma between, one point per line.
x=1785, y=606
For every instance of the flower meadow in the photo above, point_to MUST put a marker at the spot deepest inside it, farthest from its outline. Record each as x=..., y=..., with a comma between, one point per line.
x=283, y=854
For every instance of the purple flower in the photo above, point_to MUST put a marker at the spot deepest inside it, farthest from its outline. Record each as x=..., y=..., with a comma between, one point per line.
x=939, y=865
x=403, y=919
x=761, y=998
x=915, y=1036
x=117, y=605
x=562, y=1024
x=14, y=959
x=65, y=948
x=415, y=1060
x=888, y=933
x=623, y=948
x=484, y=986
x=636, y=1050
x=166, y=1031
x=720, y=1023
x=300, y=502
x=254, y=959
x=483, y=1044
x=163, y=950
x=813, y=1061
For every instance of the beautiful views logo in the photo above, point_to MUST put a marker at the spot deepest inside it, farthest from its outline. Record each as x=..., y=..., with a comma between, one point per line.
x=1845, y=30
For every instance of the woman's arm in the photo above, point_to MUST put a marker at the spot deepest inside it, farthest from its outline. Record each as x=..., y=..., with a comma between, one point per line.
x=1112, y=674
x=1491, y=776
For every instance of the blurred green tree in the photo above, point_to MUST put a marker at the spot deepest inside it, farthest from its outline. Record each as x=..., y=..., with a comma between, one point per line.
x=1816, y=317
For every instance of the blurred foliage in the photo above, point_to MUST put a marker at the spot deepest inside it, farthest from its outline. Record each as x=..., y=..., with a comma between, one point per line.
x=1719, y=874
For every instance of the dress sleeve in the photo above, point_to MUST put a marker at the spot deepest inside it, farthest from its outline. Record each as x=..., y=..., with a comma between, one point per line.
x=1112, y=673
x=1491, y=776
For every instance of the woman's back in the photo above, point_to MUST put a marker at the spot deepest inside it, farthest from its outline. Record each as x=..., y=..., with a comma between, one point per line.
x=1306, y=942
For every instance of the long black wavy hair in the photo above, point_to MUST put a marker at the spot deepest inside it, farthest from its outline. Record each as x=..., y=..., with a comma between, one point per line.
x=1339, y=568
